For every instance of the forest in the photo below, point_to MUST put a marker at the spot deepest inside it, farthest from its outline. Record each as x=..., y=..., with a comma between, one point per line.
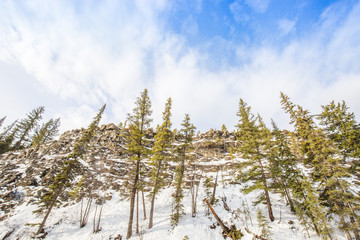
x=315, y=167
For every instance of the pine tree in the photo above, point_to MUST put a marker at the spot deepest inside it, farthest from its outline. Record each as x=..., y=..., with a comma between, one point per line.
x=319, y=156
x=185, y=138
x=2, y=121
x=161, y=156
x=7, y=137
x=25, y=126
x=69, y=170
x=138, y=122
x=283, y=162
x=46, y=132
x=223, y=128
x=253, y=137
x=263, y=224
x=341, y=127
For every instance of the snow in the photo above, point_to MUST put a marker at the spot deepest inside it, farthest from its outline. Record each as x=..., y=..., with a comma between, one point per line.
x=63, y=222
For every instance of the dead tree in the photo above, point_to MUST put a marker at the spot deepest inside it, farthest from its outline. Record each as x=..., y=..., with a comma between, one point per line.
x=227, y=232
x=194, y=192
x=96, y=224
x=84, y=215
x=255, y=235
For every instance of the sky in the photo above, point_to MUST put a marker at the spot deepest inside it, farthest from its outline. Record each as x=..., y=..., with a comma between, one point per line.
x=74, y=56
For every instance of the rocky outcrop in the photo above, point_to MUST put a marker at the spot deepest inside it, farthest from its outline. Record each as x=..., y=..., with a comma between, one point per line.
x=29, y=171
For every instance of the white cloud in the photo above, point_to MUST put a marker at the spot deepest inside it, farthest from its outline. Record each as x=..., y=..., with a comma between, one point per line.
x=110, y=53
x=286, y=26
x=259, y=6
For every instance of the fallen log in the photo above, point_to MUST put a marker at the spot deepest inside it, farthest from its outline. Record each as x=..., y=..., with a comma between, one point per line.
x=255, y=235
x=227, y=232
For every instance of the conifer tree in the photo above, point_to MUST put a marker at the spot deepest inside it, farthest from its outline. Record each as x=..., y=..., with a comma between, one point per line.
x=341, y=127
x=46, y=132
x=138, y=122
x=25, y=126
x=319, y=156
x=161, y=156
x=253, y=137
x=7, y=137
x=283, y=162
x=185, y=138
x=69, y=170
x=2, y=121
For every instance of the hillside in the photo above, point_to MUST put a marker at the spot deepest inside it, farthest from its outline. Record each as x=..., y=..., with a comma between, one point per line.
x=25, y=174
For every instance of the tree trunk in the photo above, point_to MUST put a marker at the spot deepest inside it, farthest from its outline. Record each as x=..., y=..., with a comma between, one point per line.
x=137, y=212
x=153, y=195
x=132, y=200
x=268, y=202
x=143, y=200
x=225, y=229
x=41, y=227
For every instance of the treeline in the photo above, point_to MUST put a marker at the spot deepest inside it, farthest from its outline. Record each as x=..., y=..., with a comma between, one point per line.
x=27, y=131
x=315, y=167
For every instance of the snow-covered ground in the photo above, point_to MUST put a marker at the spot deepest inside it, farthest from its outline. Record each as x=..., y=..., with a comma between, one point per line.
x=63, y=222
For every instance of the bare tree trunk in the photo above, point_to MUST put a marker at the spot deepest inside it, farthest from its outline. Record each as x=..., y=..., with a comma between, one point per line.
x=41, y=227
x=137, y=212
x=268, y=202
x=143, y=200
x=132, y=200
x=153, y=195
x=225, y=229
x=84, y=216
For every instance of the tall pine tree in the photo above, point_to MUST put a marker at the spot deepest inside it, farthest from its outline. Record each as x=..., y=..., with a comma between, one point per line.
x=253, y=137
x=161, y=155
x=25, y=126
x=185, y=138
x=138, y=122
x=46, y=132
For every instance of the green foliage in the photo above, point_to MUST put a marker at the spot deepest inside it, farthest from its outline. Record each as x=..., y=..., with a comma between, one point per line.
x=263, y=224
x=138, y=122
x=223, y=128
x=46, y=132
x=71, y=166
x=186, y=237
x=254, y=138
x=181, y=152
x=25, y=126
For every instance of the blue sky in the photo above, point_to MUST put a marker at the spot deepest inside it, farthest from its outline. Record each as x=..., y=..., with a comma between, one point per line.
x=73, y=56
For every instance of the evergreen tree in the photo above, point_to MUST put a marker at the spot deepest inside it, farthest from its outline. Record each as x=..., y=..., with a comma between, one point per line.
x=283, y=162
x=46, y=132
x=7, y=137
x=69, y=170
x=2, y=121
x=319, y=156
x=263, y=224
x=223, y=128
x=185, y=138
x=253, y=137
x=138, y=122
x=161, y=156
x=25, y=126
x=341, y=127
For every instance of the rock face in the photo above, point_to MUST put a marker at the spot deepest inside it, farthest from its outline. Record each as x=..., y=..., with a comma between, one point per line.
x=28, y=172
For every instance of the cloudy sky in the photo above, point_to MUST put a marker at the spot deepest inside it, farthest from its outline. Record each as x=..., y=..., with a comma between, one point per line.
x=74, y=56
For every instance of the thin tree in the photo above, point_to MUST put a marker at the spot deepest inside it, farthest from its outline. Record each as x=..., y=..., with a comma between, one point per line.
x=161, y=150
x=185, y=138
x=69, y=170
x=138, y=122
x=25, y=126
x=46, y=132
